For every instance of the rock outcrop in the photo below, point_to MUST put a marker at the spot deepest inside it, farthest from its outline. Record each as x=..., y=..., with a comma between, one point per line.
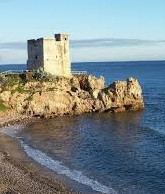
x=77, y=95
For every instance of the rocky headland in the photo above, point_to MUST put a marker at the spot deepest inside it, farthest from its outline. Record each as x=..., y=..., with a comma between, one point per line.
x=35, y=96
x=30, y=95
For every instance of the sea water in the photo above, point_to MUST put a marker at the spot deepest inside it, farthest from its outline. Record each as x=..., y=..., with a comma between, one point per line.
x=107, y=153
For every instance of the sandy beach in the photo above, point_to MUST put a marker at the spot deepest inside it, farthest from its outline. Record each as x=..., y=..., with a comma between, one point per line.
x=18, y=173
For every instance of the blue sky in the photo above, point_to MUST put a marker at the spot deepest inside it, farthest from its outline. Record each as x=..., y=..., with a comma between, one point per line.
x=101, y=30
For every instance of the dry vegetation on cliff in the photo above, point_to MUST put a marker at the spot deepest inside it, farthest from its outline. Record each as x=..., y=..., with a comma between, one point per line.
x=39, y=94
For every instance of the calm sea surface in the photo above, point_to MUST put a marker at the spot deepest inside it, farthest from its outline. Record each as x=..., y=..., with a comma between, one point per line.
x=108, y=153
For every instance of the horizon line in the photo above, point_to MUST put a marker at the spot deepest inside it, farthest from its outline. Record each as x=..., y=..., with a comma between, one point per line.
x=123, y=61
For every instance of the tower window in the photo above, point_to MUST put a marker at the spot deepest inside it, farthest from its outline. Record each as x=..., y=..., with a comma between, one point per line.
x=36, y=57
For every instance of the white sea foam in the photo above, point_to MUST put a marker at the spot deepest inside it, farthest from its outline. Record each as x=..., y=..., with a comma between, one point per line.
x=59, y=168
x=12, y=130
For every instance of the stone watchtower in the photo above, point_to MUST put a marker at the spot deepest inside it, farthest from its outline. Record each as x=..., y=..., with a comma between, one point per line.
x=52, y=54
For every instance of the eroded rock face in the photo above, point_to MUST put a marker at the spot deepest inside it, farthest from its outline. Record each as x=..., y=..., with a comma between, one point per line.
x=90, y=82
x=83, y=94
x=122, y=95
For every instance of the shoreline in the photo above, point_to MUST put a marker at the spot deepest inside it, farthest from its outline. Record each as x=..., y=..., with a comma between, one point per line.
x=8, y=118
x=18, y=170
x=61, y=97
x=21, y=174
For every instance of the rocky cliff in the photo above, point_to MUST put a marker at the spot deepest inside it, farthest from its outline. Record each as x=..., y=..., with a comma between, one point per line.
x=77, y=95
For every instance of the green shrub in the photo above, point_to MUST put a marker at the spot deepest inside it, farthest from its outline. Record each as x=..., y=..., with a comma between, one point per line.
x=3, y=108
x=2, y=79
x=9, y=81
x=29, y=98
x=41, y=75
x=19, y=89
x=12, y=80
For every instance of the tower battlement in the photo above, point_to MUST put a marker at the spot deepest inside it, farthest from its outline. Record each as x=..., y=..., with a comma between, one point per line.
x=61, y=37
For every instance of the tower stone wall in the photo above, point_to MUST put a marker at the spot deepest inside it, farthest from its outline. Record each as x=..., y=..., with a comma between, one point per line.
x=52, y=54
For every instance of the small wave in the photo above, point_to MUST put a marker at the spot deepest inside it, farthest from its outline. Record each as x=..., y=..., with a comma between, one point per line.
x=12, y=130
x=56, y=166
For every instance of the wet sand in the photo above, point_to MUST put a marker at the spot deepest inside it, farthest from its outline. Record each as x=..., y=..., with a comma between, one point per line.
x=20, y=174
